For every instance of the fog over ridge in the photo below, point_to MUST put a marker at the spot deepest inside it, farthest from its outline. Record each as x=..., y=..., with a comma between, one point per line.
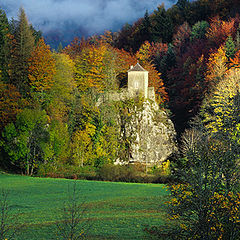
x=91, y=16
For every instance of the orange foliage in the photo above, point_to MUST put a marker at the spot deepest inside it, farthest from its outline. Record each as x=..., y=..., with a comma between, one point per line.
x=125, y=60
x=158, y=49
x=216, y=66
x=41, y=67
x=144, y=53
x=107, y=37
x=11, y=103
x=75, y=47
x=219, y=30
x=154, y=80
x=235, y=62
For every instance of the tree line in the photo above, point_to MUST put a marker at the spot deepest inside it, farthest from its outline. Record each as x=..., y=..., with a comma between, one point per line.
x=49, y=115
x=48, y=99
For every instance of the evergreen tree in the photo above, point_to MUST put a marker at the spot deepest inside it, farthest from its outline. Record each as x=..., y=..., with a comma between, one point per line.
x=22, y=47
x=37, y=34
x=230, y=47
x=162, y=25
x=4, y=46
x=146, y=28
x=60, y=48
x=237, y=39
x=199, y=30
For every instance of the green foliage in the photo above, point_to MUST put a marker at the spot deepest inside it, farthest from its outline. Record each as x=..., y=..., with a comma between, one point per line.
x=230, y=48
x=199, y=30
x=57, y=147
x=4, y=46
x=21, y=48
x=162, y=25
x=220, y=112
x=25, y=140
x=200, y=205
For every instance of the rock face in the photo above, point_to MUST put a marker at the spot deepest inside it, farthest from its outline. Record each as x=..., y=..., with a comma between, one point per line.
x=152, y=133
x=146, y=133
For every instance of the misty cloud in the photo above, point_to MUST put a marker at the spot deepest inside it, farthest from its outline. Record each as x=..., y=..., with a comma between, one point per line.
x=91, y=16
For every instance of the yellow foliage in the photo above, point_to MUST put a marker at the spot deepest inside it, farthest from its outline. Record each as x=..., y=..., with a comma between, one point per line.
x=216, y=66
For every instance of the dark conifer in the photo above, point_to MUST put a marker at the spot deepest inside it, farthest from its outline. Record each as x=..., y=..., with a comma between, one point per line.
x=22, y=47
x=4, y=46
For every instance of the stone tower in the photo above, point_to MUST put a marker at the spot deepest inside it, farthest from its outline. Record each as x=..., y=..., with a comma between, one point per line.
x=138, y=80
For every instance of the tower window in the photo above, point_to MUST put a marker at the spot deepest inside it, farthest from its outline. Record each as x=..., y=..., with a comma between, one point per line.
x=136, y=85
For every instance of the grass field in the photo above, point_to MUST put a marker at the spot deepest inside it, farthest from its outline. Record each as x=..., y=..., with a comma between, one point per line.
x=116, y=210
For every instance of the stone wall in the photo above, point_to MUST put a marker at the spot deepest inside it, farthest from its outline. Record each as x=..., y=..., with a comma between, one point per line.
x=124, y=94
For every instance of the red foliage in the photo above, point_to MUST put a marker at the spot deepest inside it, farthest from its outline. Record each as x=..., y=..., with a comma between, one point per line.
x=219, y=31
x=11, y=103
x=75, y=47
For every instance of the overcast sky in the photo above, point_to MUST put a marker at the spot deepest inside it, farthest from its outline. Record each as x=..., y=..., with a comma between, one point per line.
x=93, y=16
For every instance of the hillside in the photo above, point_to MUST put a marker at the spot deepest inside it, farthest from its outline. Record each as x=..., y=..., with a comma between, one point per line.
x=105, y=107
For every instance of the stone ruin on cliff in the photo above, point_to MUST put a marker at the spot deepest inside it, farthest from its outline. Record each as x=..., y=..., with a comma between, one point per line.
x=150, y=128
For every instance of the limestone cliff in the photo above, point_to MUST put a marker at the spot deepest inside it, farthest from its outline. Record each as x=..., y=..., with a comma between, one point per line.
x=150, y=132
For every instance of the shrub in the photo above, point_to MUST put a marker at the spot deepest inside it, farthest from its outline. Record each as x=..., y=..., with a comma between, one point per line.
x=67, y=171
x=107, y=172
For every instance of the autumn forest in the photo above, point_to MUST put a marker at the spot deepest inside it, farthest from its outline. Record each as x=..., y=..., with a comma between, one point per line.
x=50, y=124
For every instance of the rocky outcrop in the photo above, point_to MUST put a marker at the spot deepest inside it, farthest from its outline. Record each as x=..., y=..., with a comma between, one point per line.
x=152, y=134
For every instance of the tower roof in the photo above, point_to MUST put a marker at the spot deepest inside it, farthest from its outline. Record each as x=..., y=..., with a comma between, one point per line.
x=137, y=68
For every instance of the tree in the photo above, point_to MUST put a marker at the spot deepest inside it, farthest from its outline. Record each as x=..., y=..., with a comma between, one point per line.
x=75, y=48
x=11, y=103
x=41, y=71
x=220, y=111
x=205, y=205
x=81, y=144
x=124, y=40
x=182, y=38
x=4, y=46
x=60, y=48
x=199, y=30
x=73, y=223
x=146, y=30
x=184, y=6
x=62, y=93
x=89, y=68
x=21, y=50
x=219, y=31
x=217, y=67
x=230, y=48
x=57, y=148
x=24, y=141
x=162, y=25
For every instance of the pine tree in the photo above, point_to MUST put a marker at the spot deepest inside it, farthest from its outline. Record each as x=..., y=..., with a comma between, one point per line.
x=237, y=39
x=4, y=46
x=22, y=47
x=60, y=48
x=162, y=25
x=230, y=47
x=146, y=28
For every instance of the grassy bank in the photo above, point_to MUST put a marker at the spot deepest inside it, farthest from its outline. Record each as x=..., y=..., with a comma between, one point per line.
x=116, y=210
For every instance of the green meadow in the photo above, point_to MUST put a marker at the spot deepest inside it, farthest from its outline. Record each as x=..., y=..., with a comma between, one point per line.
x=115, y=210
